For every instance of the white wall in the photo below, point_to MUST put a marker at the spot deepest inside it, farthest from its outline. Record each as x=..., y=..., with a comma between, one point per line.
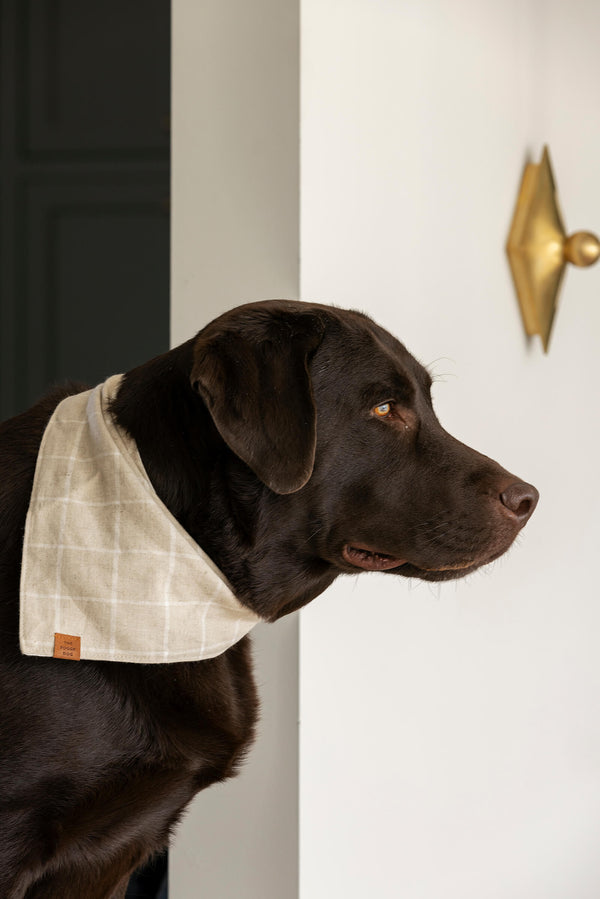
x=235, y=201
x=450, y=744
x=235, y=156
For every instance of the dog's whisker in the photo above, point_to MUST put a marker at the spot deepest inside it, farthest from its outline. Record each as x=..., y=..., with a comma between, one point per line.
x=444, y=515
x=436, y=590
x=314, y=534
x=439, y=376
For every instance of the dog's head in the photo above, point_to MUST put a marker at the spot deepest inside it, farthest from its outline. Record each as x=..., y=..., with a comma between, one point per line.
x=331, y=412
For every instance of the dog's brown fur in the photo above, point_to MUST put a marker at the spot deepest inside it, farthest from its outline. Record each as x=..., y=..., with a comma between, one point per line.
x=261, y=436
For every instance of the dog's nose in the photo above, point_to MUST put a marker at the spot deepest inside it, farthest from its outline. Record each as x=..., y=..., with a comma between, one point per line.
x=520, y=499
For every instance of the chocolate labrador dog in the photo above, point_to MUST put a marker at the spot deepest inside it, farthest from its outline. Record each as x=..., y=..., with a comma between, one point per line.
x=293, y=442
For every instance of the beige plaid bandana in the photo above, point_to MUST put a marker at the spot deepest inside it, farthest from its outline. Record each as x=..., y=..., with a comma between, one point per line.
x=105, y=562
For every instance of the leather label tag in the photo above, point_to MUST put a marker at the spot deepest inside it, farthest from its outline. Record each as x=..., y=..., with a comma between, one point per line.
x=67, y=647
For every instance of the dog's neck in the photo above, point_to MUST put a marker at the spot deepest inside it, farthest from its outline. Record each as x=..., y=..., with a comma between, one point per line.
x=207, y=488
x=158, y=408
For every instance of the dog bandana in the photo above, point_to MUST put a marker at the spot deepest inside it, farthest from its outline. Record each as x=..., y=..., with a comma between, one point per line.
x=108, y=572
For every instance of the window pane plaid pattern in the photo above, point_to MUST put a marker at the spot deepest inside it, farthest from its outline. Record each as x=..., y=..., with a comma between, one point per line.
x=104, y=559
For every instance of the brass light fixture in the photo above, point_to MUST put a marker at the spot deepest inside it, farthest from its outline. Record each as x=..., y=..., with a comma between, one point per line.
x=538, y=248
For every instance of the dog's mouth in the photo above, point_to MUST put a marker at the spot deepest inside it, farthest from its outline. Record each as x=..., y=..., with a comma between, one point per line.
x=369, y=559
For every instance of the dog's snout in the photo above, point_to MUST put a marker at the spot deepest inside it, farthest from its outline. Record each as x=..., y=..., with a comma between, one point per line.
x=520, y=499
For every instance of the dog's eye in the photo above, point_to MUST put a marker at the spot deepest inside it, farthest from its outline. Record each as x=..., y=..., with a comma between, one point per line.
x=383, y=410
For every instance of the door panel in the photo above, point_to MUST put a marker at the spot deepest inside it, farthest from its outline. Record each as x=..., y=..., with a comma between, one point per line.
x=84, y=190
x=101, y=251
x=84, y=200
x=93, y=77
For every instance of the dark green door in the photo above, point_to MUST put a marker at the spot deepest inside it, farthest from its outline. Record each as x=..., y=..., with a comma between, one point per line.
x=84, y=190
x=84, y=202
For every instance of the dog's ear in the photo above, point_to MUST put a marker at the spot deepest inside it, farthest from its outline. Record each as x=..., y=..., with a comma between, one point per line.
x=251, y=370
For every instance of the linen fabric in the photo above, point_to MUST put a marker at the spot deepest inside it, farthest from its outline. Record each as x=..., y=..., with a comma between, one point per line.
x=104, y=559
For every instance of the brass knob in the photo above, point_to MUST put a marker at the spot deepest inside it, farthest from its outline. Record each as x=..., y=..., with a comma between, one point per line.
x=582, y=248
x=538, y=248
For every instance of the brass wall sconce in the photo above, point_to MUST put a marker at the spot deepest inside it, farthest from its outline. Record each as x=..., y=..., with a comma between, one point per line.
x=538, y=248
